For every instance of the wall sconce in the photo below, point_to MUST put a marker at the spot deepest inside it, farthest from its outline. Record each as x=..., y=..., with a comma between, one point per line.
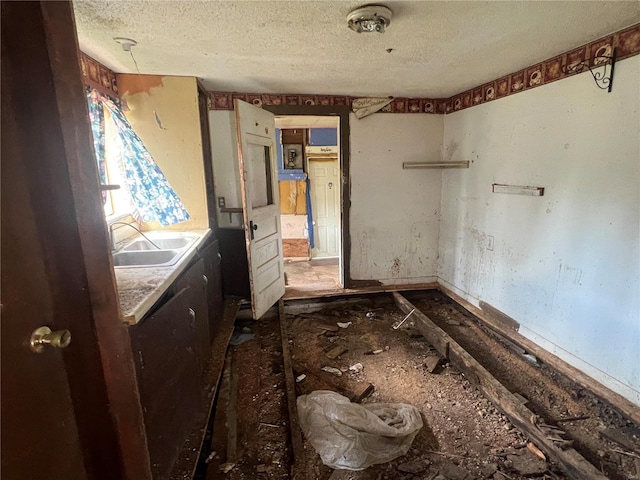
x=604, y=59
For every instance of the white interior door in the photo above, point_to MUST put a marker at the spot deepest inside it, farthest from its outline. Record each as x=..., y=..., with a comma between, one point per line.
x=324, y=176
x=261, y=205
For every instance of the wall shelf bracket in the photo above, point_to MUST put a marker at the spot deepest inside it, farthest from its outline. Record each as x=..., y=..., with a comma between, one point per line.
x=600, y=66
x=411, y=165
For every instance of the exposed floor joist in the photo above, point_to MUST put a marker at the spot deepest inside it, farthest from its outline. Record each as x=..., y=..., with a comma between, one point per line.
x=294, y=425
x=625, y=407
x=574, y=465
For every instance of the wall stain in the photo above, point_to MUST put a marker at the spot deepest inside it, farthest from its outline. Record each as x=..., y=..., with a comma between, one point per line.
x=395, y=269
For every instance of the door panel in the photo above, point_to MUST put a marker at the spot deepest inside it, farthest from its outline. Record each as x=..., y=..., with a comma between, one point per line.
x=261, y=205
x=40, y=437
x=324, y=176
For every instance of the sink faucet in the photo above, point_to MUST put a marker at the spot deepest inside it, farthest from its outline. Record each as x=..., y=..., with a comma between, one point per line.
x=112, y=237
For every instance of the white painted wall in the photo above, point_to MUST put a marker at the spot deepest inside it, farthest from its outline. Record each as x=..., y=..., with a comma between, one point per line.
x=224, y=150
x=565, y=265
x=394, y=212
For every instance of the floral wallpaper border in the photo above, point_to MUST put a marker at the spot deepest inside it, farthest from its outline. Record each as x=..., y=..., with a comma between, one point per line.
x=626, y=41
x=98, y=76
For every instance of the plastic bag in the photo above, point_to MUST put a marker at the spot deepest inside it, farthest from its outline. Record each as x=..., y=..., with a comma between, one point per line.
x=350, y=436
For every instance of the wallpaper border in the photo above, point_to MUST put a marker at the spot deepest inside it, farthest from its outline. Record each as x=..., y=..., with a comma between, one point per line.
x=96, y=75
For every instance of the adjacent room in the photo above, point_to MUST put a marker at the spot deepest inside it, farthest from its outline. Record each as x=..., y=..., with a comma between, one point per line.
x=321, y=240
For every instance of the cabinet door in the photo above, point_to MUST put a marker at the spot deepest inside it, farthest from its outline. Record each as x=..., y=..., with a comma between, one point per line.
x=212, y=270
x=197, y=309
x=168, y=379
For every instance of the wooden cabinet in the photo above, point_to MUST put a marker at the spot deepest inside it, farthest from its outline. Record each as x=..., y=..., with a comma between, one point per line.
x=168, y=378
x=197, y=307
x=210, y=254
x=171, y=347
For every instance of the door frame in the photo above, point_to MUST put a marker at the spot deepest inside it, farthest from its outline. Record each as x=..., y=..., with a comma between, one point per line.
x=341, y=111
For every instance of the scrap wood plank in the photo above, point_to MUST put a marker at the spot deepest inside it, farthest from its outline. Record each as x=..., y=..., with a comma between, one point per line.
x=294, y=424
x=574, y=465
x=232, y=411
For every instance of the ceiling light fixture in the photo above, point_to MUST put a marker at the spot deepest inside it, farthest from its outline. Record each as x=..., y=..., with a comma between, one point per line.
x=370, y=18
x=126, y=43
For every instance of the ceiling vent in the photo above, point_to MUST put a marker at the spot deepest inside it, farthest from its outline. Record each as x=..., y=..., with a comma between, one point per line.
x=370, y=18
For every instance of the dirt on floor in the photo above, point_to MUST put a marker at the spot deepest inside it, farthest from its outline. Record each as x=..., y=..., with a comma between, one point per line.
x=464, y=436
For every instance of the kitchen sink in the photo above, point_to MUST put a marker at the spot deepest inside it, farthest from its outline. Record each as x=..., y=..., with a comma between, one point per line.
x=141, y=252
x=146, y=258
x=163, y=243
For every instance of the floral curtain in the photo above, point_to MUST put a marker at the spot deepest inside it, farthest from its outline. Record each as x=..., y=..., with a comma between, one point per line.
x=96, y=117
x=151, y=193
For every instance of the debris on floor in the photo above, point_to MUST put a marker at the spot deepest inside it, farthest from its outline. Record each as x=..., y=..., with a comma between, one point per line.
x=241, y=335
x=464, y=436
x=353, y=437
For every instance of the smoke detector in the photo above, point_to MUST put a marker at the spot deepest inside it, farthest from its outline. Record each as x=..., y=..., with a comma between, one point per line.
x=370, y=18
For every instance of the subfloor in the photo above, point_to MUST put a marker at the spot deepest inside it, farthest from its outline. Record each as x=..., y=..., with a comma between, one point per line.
x=464, y=436
x=311, y=277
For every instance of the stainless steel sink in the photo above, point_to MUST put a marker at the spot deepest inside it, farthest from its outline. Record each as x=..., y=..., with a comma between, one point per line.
x=163, y=243
x=146, y=258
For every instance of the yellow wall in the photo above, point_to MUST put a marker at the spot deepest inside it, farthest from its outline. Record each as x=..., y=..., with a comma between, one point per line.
x=177, y=146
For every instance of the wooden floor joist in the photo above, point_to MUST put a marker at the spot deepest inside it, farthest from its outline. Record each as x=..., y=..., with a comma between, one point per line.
x=294, y=423
x=625, y=407
x=574, y=465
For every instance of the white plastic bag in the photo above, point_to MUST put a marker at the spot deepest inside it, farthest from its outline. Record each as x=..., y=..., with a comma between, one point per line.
x=353, y=437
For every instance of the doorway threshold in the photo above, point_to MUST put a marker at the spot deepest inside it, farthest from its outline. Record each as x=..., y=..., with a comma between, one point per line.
x=295, y=294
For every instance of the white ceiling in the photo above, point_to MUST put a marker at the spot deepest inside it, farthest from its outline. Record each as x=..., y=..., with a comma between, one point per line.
x=439, y=48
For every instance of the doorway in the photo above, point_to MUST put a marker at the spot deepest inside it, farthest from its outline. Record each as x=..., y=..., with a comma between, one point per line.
x=308, y=149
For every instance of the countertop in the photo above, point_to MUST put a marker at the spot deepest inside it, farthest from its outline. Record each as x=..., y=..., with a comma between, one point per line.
x=139, y=288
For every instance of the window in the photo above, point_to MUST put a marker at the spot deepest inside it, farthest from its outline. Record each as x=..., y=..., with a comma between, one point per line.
x=123, y=158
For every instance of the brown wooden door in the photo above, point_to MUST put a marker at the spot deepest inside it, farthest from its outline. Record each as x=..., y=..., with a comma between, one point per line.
x=39, y=434
x=40, y=438
x=72, y=413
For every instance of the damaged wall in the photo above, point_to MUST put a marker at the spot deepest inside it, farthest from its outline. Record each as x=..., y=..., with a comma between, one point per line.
x=163, y=111
x=565, y=265
x=394, y=212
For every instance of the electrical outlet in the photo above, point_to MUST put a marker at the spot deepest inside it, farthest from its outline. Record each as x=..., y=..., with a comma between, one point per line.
x=490, y=242
x=221, y=202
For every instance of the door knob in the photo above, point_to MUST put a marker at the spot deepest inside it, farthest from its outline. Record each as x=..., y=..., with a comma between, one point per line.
x=252, y=228
x=44, y=336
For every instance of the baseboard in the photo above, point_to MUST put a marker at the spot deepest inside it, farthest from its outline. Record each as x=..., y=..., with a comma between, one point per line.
x=621, y=396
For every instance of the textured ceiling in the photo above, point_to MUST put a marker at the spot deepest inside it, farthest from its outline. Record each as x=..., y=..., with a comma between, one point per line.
x=439, y=48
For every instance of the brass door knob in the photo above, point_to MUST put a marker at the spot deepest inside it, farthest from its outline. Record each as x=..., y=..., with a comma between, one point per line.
x=44, y=336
